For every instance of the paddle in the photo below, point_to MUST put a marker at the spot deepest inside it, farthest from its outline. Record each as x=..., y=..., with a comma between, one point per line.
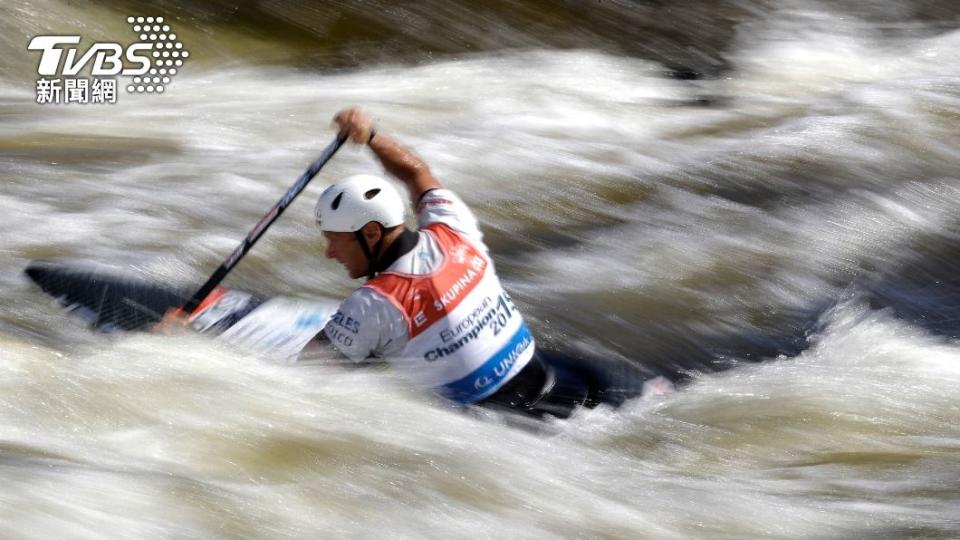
x=262, y=226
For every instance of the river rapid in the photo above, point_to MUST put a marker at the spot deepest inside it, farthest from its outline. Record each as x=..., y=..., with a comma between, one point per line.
x=760, y=197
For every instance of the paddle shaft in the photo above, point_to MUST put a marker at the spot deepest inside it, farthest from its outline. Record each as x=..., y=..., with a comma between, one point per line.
x=262, y=226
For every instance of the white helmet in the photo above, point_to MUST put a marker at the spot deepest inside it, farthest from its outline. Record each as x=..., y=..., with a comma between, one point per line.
x=357, y=200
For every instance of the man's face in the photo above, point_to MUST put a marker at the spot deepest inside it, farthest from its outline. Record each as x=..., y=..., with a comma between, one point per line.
x=343, y=247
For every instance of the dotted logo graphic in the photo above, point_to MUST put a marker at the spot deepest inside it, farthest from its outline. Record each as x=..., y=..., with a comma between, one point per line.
x=167, y=57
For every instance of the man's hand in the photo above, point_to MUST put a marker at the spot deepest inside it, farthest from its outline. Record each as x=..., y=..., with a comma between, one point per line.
x=397, y=160
x=355, y=124
x=173, y=320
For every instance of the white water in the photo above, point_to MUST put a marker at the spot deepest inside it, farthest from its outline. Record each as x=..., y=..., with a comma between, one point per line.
x=615, y=206
x=172, y=437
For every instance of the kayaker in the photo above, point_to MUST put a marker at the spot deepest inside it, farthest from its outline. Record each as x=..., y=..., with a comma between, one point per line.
x=431, y=304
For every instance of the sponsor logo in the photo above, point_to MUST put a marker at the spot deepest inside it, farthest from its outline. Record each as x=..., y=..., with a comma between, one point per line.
x=151, y=63
x=336, y=335
x=347, y=323
x=459, y=254
x=450, y=295
x=503, y=367
x=496, y=369
x=433, y=202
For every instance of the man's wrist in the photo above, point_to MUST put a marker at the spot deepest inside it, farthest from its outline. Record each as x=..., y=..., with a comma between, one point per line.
x=373, y=133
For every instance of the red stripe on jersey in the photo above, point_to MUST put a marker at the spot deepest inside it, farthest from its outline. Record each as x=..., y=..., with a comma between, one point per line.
x=425, y=299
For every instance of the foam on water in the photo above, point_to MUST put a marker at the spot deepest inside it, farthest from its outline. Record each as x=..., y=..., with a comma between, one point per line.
x=174, y=436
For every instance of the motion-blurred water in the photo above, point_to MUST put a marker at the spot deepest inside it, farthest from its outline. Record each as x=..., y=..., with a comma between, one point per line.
x=772, y=184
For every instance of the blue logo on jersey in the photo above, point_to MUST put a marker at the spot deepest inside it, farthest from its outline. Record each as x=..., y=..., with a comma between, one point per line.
x=484, y=380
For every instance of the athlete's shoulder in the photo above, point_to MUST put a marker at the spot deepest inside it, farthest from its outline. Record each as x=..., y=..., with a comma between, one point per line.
x=437, y=197
x=363, y=325
x=444, y=206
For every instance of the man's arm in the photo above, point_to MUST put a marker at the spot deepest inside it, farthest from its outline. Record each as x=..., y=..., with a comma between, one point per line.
x=396, y=159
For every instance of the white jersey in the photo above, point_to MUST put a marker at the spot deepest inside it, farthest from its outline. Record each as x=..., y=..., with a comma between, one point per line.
x=438, y=312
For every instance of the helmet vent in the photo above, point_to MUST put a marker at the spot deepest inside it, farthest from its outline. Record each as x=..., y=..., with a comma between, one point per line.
x=371, y=194
x=336, y=201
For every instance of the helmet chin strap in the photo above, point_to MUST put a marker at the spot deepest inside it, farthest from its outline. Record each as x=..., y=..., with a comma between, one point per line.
x=371, y=256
